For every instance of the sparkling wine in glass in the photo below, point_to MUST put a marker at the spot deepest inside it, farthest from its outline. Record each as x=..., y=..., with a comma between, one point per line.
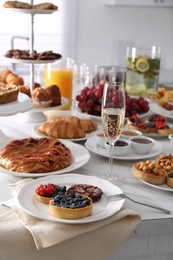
x=113, y=115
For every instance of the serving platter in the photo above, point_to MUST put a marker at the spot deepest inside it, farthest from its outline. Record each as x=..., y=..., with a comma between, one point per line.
x=36, y=115
x=102, y=209
x=21, y=105
x=30, y=11
x=93, y=133
x=92, y=145
x=80, y=157
x=156, y=108
x=163, y=187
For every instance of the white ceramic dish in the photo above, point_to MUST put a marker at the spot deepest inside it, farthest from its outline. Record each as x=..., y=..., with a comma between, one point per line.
x=93, y=133
x=155, y=108
x=119, y=150
x=100, y=139
x=128, y=136
x=131, y=156
x=22, y=104
x=140, y=146
x=164, y=186
x=30, y=11
x=80, y=157
x=102, y=209
x=22, y=61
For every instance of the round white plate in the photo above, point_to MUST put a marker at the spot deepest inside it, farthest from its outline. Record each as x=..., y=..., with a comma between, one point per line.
x=22, y=61
x=36, y=115
x=155, y=108
x=92, y=145
x=80, y=157
x=99, y=118
x=102, y=209
x=22, y=104
x=164, y=187
x=64, y=101
x=30, y=11
x=93, y=133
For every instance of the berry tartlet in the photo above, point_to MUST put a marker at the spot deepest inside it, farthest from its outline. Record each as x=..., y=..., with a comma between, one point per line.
x=70, y=206
x=45, y=192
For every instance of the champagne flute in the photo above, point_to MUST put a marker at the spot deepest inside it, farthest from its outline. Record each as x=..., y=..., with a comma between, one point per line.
x=113, y=115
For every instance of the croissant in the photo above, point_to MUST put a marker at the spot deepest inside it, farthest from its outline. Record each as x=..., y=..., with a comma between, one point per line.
x=14, y=79
x=4, y=73
x=61, y=129
x=88, y=125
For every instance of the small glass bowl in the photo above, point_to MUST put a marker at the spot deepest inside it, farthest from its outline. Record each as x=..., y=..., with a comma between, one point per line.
x=142, y=144
x=121, y=147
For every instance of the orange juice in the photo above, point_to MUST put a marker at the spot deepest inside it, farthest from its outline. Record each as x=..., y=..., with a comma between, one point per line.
x=63, y=78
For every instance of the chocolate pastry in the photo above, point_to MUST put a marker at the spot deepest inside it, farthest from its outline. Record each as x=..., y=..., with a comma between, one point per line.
x=90, y=191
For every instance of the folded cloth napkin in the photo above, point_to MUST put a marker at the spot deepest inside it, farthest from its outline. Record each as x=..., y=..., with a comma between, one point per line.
x=98, y=239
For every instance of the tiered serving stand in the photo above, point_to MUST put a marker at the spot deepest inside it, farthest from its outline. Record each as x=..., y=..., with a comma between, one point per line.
x=31, y=114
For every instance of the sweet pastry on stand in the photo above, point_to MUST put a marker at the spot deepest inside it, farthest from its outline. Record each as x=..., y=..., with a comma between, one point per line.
x=150, y=172
x=16, y=4
x=55, y=94
x=70, y=206
x=8, y=93
x=44, y=193
x=41, y=98
x=13, y=78
x=23, y=5
x=35, y=155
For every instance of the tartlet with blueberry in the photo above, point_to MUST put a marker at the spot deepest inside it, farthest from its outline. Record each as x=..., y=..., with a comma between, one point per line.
x=70, y=206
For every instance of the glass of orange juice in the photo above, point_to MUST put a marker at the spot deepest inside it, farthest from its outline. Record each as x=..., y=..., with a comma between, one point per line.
x=61, y=74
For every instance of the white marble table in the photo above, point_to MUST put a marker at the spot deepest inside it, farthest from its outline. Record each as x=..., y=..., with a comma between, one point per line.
x=153, y=238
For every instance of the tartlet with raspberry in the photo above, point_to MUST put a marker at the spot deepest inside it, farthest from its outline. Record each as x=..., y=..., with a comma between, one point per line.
x=46, y=192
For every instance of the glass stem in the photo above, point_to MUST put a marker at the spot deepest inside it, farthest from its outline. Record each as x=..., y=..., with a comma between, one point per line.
x=111, y=159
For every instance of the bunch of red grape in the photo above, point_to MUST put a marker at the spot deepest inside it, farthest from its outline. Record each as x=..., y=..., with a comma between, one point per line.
x=90, y=100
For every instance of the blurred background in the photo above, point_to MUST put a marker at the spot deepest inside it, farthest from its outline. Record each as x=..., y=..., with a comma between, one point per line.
x=95, y=32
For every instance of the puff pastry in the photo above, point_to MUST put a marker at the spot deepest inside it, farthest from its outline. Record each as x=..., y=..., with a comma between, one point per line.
x=61, y=129
x=32, y=155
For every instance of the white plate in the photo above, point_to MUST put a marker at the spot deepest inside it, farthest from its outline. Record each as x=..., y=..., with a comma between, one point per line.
x=99, y=118
x=30, y=11
x=22, y=104
x=80, y=157
x=64, y=101
x=93, y=133
x=92, y=145
x=22, y=61
x=155, y=108
x=164, y=187
x=102, y=209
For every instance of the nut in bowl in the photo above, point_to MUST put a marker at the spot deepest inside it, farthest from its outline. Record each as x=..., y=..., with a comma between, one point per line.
x=121, y=147
x=128, y=133
x=142, y=144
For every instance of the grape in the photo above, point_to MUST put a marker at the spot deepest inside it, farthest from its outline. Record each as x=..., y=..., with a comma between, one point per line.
x=90, y=103
x=90, y=100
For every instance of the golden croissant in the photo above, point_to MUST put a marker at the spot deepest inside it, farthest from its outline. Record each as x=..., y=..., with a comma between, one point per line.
x=60, y=128
x=86, y=124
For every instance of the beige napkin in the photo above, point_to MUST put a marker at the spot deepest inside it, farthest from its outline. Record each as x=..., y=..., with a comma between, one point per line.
x=102, y=236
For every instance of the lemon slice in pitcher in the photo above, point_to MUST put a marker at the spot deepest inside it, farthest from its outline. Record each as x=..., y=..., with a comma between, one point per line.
x=142, y=65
